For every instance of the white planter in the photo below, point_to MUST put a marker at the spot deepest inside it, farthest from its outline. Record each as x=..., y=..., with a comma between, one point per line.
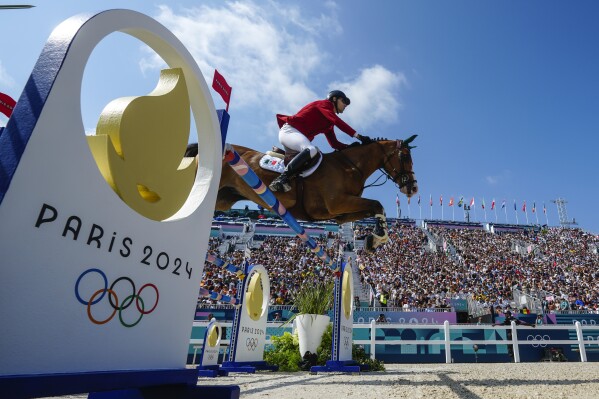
x=310, y=328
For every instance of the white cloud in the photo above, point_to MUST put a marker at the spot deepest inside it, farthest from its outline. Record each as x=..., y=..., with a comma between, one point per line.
x=270, y=55
x=5, y=78
x=373, y=96
x=501, y=177
x=250, y=45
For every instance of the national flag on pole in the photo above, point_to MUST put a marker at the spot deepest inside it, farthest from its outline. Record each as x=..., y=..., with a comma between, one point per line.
x=524, y=207
x=7, y=104
x=418, y=199
x=451, y=201
x=515, y=207
x=220, y=85
x=493, y=204
x=409, y=200
x=534, y=207
x=472, y=202
x=502, y=204
x=461, y=202
x=482, y=204
x=397, y=199
x=431, y=200
x=544, y=209
x=441, y=201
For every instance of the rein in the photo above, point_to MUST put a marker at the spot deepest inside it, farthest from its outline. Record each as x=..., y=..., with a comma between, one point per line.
x=402, y=174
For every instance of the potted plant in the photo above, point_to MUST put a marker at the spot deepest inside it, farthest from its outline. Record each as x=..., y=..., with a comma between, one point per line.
x=313, y=300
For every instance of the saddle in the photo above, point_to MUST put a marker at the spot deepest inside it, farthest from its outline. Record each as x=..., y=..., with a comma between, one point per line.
x=276, y=159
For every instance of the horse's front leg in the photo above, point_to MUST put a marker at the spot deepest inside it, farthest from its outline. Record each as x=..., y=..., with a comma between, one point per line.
x=356, y=208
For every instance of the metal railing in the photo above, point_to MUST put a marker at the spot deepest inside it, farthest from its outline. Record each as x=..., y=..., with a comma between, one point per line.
x=447, y=342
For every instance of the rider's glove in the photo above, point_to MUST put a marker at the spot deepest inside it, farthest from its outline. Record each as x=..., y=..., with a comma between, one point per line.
x=364, y=139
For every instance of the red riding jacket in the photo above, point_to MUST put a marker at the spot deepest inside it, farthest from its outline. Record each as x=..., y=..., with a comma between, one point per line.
x=315, y=118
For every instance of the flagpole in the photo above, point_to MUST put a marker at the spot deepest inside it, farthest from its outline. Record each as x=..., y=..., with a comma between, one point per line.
x=516, y=212
x=545, y=212
x=495, y=209
x=484, y=209
x=453, y=213
x=441, y=203
x=409, y=213
x=534, y=206
x=430, y=203
x=505, y=211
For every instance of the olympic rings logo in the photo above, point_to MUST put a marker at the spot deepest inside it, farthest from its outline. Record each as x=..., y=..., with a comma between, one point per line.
x=538, y=338
x=346, y=342
x=113, y=299
x=251, y=343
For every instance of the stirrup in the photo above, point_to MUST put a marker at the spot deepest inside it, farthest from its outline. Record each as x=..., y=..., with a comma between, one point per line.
x=279, y=185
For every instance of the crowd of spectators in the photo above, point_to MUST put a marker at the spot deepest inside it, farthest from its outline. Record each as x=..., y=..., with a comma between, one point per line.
x=288, y=261
x=422, y=269
x=560, y=267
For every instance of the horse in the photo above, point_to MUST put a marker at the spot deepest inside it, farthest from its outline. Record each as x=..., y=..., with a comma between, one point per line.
x=334, y=190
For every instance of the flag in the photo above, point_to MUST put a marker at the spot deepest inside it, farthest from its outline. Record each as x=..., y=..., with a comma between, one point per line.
x=220, y=85
x=431, y=200
x=515, y=207
x=493, y=204
x=441, y=201
x=418, y=199
x=502, y=204
x=544, y=209
x=451, y=201
x=7, y=104
x=524, y=207
x=397, y=199
x=461, y=201
x=472, y=202
x=409, y=200
x=482, y=204
x=534, y=207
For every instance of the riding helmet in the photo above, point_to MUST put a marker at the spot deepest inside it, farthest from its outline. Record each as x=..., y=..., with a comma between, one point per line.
x=339, y=94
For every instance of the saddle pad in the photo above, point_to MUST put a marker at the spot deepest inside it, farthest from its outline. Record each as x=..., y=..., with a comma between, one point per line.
x=276, y=164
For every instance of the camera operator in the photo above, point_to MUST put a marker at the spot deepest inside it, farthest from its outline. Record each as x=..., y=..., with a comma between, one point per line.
x=507, y=321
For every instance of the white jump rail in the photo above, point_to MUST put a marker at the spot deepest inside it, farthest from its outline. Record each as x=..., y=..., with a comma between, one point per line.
x=446, y=342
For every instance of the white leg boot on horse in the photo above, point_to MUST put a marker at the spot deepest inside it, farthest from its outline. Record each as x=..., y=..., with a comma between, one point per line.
x=294, y=167
x=379, y=236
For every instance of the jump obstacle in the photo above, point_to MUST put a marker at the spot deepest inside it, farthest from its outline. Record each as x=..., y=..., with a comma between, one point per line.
x=60, y=218
x=341, y=357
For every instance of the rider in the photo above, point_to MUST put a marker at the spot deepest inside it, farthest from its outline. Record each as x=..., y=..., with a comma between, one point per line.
x=297, y=132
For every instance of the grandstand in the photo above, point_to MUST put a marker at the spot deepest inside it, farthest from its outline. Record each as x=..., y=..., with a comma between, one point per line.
x=426, y=265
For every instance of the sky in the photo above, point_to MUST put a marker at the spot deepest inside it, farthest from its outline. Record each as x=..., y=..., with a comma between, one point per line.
x=504, y=95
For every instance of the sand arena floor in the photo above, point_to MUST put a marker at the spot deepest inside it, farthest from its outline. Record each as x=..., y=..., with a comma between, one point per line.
x=465, y=381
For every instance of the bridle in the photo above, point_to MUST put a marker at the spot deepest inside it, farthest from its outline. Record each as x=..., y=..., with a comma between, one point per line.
x=402, y=177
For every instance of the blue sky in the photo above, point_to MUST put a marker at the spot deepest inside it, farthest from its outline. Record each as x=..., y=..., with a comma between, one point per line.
x=504, y=95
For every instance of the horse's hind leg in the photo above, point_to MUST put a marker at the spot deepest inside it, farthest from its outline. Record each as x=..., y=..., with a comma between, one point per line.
x=357, y=208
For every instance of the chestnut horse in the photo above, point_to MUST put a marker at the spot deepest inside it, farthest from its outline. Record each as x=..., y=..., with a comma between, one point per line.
x=334, y=190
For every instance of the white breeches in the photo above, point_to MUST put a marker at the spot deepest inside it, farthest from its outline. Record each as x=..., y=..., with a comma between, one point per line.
x=291, y=138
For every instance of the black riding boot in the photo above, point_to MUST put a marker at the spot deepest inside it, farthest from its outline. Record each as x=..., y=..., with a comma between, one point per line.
x=294, y=167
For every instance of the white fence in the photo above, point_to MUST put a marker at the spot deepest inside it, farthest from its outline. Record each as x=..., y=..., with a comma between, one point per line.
x=446, y=342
